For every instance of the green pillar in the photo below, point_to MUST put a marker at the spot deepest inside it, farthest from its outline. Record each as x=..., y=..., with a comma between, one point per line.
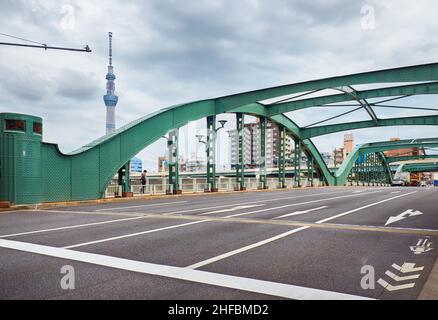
x=240, y=166
x=172, y=145
x=356, y=172
x=211, y=153
x=310, y=170
x=297, y=164
x=262, y=162
x=127, y=184
x=120, y=181
x=281, y=157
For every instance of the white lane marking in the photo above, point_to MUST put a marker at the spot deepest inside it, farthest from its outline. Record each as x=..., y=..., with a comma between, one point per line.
x=133, y=234
x=408, y=213
x=398, y=278
x=292, y=196
x=260, y=243
x=246, y=248
x=232, y=209
x=298, y=204
x=389, y=287
x=365, y=207
x=144, y=205
x=197, y=276
x=423, y=246
x=300, y=212
x=407, y=267
x=70, y=227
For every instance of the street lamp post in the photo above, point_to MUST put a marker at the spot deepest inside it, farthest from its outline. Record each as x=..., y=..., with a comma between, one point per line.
x=210, y=150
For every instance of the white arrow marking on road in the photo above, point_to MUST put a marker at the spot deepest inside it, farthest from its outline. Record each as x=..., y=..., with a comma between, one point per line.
x=407, y=267
x=389, y=287
x=300, y=212
x=404, y=215
x=233, y=209
x=422, y=246
x=398, y=278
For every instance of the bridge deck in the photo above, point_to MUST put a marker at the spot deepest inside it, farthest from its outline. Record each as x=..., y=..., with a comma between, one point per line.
x=308, y=243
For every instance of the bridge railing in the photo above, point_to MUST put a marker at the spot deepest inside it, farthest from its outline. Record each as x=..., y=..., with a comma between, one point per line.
x=160, y=186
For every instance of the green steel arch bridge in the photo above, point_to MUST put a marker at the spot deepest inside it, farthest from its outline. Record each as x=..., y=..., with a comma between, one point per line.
x=33, y=171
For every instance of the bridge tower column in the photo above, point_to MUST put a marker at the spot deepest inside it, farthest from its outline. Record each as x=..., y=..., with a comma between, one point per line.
x=310, y=167
x=240, y=166
x=211, y=154
x=297, y=164
x=123, y=181
x=362, y=169
x=172, y=147
x=262, y=161
x=375, y=167
x=281, y=157
x=356, y=172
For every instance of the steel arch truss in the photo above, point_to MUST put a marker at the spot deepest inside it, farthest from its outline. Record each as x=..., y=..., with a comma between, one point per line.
x=85, y=173
x=359, y=161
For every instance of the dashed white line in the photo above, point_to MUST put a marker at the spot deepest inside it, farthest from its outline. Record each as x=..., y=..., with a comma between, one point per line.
x=298, y=204
x=70, y=227
x=142, y=206
x=133, y=234
x=300, y=212
x=215, y=279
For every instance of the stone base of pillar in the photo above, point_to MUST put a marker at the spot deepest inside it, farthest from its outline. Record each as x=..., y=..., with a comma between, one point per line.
x=5, y=204
x=177, y=191
x=263, y=188
x=211, y=190
x=127, y=194
x=240, y=189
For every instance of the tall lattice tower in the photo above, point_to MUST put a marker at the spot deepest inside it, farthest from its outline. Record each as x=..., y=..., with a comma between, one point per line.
x=110, y=98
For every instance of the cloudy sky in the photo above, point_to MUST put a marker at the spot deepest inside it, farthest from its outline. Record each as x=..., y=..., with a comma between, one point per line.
x=169, y=52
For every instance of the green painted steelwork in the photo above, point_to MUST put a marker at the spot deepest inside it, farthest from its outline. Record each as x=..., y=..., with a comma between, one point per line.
x=211, y=153
x=281, y=157
x=342, y=173
x=408, y=158
x=262, y=162
x=308, y=133
x=21, y=176
x=421, y=167
x=415, y=89
x=85, y=173
x=240, y=166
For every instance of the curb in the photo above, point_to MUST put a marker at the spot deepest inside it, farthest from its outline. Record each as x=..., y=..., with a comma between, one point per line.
x=50, y=205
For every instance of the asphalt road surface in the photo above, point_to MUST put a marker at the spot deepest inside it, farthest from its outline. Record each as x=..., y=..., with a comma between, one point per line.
x=326, y=243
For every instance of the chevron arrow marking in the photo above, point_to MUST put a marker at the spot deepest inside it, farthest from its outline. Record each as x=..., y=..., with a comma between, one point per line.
x=407, y=267
x=398, y=278
x=389, y=287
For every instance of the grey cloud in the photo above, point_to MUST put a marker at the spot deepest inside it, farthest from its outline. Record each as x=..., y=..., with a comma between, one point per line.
x=77, y=85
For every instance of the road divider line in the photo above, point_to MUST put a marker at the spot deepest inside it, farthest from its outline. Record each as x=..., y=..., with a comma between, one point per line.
x=215, y=279
x=300, y=203
x=300, y=212
x=257, y=201
x=285, y=234
x=246, y=248
x=70, y=227
x=133, y=234
x=142, y=206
